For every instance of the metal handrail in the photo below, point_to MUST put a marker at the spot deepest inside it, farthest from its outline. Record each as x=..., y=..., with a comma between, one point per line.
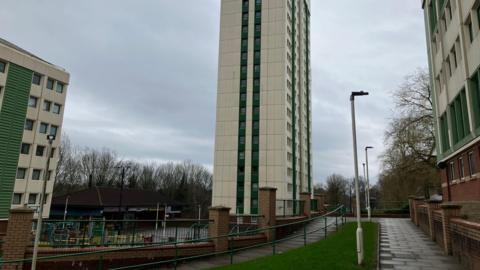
x=207, y=239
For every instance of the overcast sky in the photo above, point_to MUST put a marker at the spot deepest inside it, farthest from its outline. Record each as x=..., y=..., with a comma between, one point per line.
x=144, y=73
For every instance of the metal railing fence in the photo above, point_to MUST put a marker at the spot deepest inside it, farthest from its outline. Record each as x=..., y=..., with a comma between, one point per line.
x=287, y=208
x=328, y=220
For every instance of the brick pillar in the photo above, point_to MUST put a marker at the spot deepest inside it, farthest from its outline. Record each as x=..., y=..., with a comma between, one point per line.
x=449, y=210
x=431, y=206
x=416, y=202
x=305, y=197
x=320, y=201
x=220, y=226
x=19, y=236
x=267, y=209
x=411, y=204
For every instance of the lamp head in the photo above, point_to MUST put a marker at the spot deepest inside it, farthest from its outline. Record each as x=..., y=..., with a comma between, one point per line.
x=357, y=93
x=368, y=147
x=50, y=138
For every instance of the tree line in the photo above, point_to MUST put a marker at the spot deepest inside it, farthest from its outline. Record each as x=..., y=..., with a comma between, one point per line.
x=80, y=168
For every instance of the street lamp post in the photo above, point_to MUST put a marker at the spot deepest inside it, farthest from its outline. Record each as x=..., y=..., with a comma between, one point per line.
x=365, y=179
x=38, y=231
x=360, y=255
x=369, y=210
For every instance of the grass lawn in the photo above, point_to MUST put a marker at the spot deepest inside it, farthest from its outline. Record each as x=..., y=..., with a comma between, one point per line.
x=338, y=251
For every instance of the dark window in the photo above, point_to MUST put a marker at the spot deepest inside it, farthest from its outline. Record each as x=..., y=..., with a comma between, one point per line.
x=242, y=140
x=25, y=149
x=471, y=163
x=32, y=102
x=36, y=79
x=242, y=124
x=461, y=168
x=255, y=140
x=258, y=28
x=21, y=173
x=256, y=82
x=256, y=68
x=243, y=83
x=470, y=29
x=59, y=87
x=244, y=56
x=258, y=15
x=2, y=67
x=245, y=3
x=47, y=105
x=243, y=97
x=56, y=108
x=257, y=55
x=17, y=198
x=244, y=42
x=32, y=198
x=49, y=175
x=50, y=83
x=29, y=124
x=243, y=111
x=256, y=110
x=257, y=42
x=241, y=155
x=53, y=130
x=36, y=174
x=40, y=151
x=244, y=69
x=256, y=96
x=451, y=172
x=256, y=125
x=258, y=2
x=43, y=128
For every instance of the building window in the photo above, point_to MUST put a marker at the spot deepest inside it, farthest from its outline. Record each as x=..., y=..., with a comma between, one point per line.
x=40, y=151
x=32, y=198
x=17, y=198
x=245, y=29
x=470, y=29
x=36, y=174
x=47, y=105
x=29, y=124
x=3, y=65
x=256, y=97
x=45, y=199
x=60, y=87
x=242, y=140
x=242, y=125
x=25, y=149
x=21, y=173
x=258, y=15
x=243, y=97
x=241, y=155
x=256, y=82
x=50, y=84
x=451, y=172
x=56, y=108
x=32, y=101
x=256, y=68
x=43, y=128
x=256, y=110
x=243, y=83
x=243, y=111
x=257, y=42
x=461, y=168
x=244, y=56
x=471, y=163
x=255, y=140
x=36, y=79
x=256, y=124
x=53, y=130
x=459, y=117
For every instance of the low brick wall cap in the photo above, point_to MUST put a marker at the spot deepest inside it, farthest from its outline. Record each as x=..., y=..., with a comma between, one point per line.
x=305, y=193
x=433, y=201
x=268, y=188
x=219, y=207
x=22, y=210
x=450, y=205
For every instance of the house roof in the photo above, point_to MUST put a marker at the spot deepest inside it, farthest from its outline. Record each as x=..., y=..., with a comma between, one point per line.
x=110, y=197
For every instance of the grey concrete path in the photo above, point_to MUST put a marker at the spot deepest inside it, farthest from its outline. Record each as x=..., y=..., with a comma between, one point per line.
x=404, y=246
x=255, y=253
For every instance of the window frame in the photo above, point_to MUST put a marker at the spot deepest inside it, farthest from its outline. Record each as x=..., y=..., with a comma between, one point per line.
x=39, y=76
x=52, y=81
x=34, y=174
x=15, y=202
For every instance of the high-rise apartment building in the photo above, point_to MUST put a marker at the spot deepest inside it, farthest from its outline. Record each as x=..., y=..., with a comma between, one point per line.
x=453, y=42
x=32, y=101
x=263, y=126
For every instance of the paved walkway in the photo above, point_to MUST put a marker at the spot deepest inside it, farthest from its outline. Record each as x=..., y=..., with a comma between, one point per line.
x=256, y=253
x=404, y=246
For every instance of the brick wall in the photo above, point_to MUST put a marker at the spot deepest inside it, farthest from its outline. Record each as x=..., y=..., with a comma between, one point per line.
x=466, y=242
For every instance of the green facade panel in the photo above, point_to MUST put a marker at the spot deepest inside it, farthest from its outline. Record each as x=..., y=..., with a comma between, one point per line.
x=12, y=120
